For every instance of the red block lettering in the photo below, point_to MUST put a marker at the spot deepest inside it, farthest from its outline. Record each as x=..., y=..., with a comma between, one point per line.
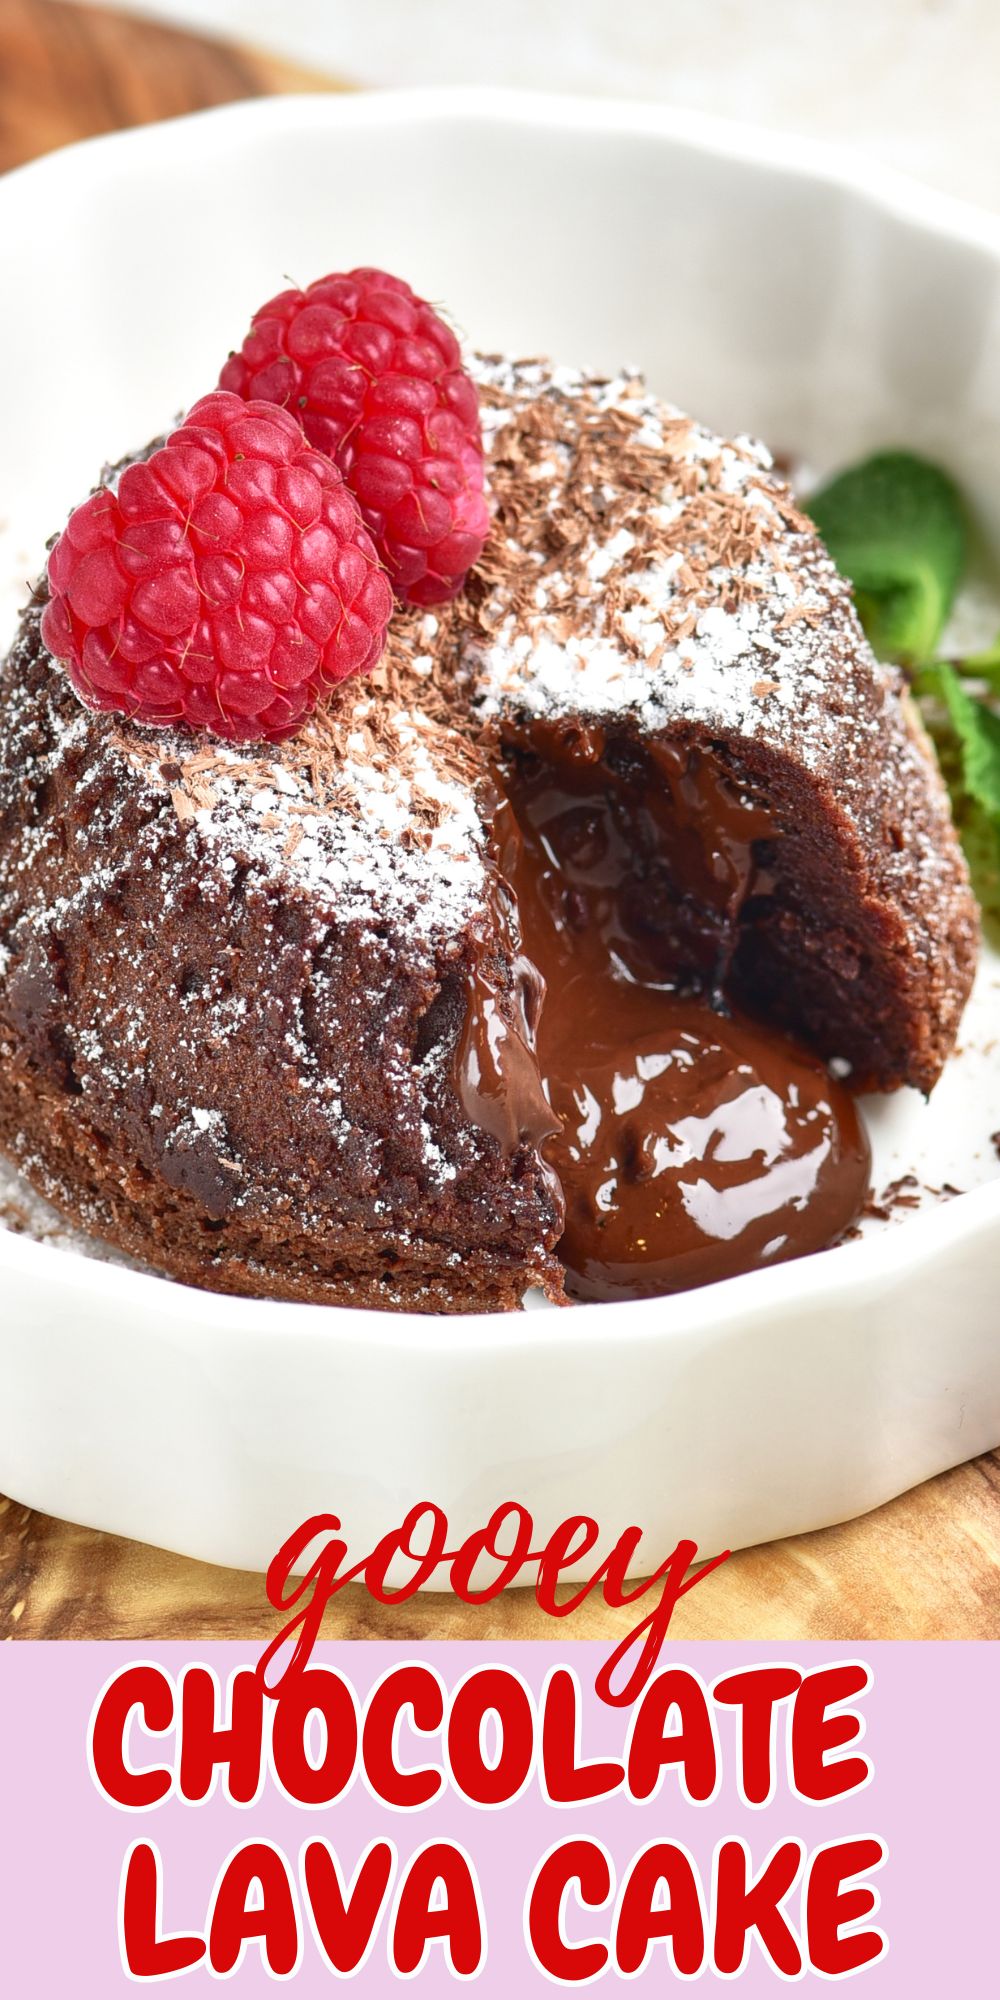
x=586, y=1864
x=815, y=1772
x=146, y=1953
x=639, y=1925
x=568, y=1781
x=652, y=1747
x=830, y=1906
x=319, y=1691
x=207, y=1746
x=422, y=1916
x=756, y=1693
x=496, y=1691
x=233, y=1924
x=743, y=1906
x=344, y=1921
x=416, y=1688
x=148, y=1689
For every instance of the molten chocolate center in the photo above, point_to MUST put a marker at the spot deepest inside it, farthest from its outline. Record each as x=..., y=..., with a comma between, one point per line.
x=694, y=1144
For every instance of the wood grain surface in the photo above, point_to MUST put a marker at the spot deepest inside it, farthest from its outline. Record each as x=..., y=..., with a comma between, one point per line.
x=69, y=72
x=927, y=1566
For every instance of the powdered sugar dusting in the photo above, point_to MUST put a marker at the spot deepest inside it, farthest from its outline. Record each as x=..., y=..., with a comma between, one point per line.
x=639, y=568
x=25, y=1212
x=652, y=568
x=369, y=811
x=644, y=570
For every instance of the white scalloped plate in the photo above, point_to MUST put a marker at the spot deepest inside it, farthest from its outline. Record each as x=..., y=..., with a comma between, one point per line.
x=767, y=286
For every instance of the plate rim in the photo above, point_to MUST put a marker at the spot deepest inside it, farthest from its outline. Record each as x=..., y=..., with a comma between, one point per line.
x=831, y=162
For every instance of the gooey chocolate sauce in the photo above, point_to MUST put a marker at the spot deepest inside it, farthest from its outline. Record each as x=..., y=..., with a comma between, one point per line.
x=691, y=1144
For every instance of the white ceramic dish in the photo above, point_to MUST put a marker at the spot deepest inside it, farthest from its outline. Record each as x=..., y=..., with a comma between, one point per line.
x=768, y=287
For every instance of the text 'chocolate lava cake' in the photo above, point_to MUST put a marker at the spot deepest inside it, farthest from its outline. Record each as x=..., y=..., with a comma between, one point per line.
x=547, y=951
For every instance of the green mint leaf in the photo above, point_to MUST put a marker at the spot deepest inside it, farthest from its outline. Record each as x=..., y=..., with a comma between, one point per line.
x=981, y=841
x=983, y=666
x=967, y=734
x=977, y=728
x=895, y=526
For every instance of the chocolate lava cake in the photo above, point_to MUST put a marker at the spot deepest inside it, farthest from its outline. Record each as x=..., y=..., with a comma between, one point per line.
x=269, y=1018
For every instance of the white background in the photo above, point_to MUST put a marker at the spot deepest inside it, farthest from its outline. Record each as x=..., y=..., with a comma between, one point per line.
x=916, y=83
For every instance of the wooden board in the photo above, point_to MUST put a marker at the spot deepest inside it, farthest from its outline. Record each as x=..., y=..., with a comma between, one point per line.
x=925, y=1567
x=68, y=72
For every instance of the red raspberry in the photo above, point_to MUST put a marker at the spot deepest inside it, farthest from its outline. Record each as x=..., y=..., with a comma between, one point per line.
x=376, y=379
x=227, y=583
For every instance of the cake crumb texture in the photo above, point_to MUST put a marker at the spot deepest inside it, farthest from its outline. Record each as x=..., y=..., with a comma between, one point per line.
x=233, y=983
